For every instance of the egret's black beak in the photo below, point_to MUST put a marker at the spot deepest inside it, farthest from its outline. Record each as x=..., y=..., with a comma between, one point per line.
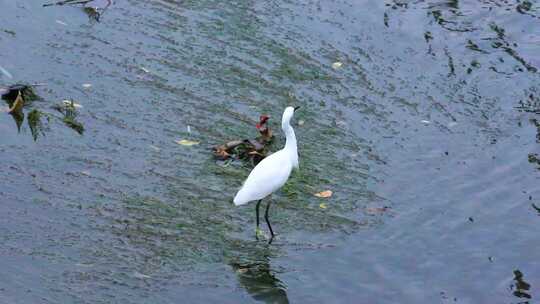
x=296, y=108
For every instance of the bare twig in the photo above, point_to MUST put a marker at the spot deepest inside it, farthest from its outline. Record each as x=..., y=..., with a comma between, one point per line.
x=65, y=2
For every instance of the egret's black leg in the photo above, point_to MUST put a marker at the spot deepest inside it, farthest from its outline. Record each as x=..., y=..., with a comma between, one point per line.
x=268, y=222
x=257, y=215
x=257, y=212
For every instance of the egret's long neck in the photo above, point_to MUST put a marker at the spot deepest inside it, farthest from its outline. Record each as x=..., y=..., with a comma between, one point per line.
x=290, y=143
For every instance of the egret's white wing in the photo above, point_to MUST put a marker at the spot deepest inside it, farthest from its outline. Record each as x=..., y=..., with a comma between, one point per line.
x=268, y=176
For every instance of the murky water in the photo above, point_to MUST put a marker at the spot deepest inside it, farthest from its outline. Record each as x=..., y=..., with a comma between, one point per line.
x=427, y=134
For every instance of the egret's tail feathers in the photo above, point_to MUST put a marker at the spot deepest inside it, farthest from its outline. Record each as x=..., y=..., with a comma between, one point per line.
x=238, y=202
x=241, y=198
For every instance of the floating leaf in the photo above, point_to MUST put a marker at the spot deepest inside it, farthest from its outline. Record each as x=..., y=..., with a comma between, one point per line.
x=253, y=150
x=10, y=93
x=70, y=114
x=187, y=142
x=17, y=105
x=12, y=33
x=324, y=194
x=141, y=276
x=84, y=265
x=71, y=103
x=377, y=210
x=221, y=152
x=35, y=124
x=322, y=206
x=75, y=125
x=336, y=65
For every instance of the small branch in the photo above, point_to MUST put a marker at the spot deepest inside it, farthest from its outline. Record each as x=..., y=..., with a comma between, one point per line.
x=70, y=2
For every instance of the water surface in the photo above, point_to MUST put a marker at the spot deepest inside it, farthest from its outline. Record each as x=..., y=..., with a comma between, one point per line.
x=427, y=135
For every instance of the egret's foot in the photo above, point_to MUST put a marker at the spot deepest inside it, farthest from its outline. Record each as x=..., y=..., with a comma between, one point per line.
x=259, y=233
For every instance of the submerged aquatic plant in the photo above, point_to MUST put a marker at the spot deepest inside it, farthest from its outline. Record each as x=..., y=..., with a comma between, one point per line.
x=70, y=113
x=35, y=124
x=19, y=97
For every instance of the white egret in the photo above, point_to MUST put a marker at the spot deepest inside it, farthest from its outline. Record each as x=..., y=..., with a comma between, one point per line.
x=272, y=172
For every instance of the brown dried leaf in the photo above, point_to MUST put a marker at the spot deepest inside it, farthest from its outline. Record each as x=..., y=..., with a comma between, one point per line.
x=17, y=105
x=242, y=270
x=221, y=152
x=233, y=144
x=324, y=194
x=255, y=153
x=255, y=144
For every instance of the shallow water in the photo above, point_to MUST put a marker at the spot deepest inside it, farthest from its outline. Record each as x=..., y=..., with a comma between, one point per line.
x=427, y=135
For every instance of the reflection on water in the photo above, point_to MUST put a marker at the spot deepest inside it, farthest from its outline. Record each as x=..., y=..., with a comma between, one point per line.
x=158, y=239
x=432, y=112
x=520, y=287
x=258, y=278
